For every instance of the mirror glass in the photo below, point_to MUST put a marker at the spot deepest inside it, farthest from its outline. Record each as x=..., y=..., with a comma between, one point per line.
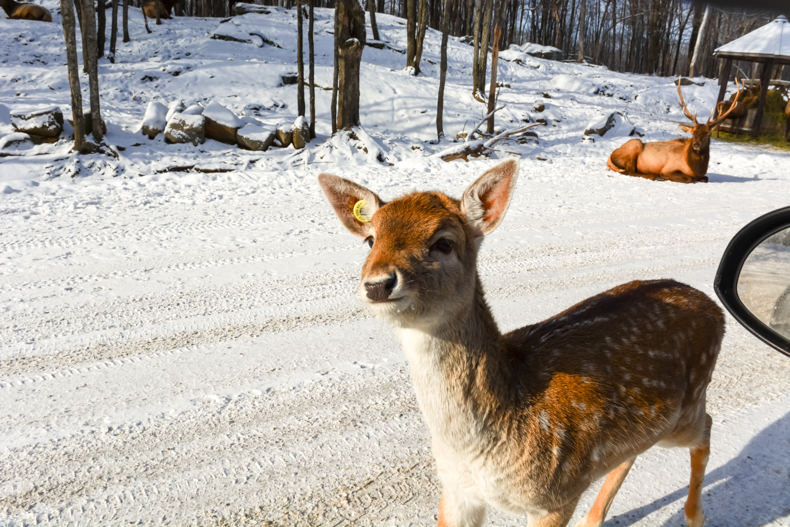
x=764, y=282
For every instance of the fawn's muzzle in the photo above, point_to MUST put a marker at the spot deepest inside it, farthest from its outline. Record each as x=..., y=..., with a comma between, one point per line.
x=380, y=288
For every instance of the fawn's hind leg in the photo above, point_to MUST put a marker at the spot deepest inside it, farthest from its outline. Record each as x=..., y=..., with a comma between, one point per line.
x=699, y=460
x=605, y=496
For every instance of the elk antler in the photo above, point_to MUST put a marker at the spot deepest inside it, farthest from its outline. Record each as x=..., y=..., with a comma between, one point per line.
x=734, y=103
x=686, y=111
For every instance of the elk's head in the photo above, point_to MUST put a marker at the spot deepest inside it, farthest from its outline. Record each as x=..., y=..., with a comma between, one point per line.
x=700, y=133
x=421, y=268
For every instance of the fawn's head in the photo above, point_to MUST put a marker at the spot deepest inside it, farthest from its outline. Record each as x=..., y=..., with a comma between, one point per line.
x=421, y=268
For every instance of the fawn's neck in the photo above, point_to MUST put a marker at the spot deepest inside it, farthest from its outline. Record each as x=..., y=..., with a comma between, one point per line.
x=451, y=366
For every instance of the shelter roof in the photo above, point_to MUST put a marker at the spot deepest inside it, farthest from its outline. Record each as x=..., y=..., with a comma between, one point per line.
x=771, y=41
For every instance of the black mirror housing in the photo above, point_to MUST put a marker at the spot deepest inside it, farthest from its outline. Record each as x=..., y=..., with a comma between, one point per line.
x=729, y=271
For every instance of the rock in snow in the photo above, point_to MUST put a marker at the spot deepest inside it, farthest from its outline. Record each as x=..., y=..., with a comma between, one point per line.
x=193, y=109
x=284, y=134
x=616, y=124
x=43, y=125
x=173, y=108
x=221, y=123
x=255, y=137
x=186, y=128
x=154, y=120
x=301, y=132
x=15, y=141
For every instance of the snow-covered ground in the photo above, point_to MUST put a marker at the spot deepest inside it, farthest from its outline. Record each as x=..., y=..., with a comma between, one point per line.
x=180, y=347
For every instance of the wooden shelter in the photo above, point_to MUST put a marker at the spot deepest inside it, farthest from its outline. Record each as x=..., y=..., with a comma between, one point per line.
x=768, y=46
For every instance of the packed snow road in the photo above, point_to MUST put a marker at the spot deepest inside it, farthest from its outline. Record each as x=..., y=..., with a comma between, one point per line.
x=183, y=348
x=189, y=350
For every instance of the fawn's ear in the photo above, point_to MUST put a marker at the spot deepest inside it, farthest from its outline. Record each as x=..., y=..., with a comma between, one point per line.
x=353, y=204
x=485, y=201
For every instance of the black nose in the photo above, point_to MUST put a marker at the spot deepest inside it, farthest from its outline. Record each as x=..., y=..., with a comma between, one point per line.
x=380, y=290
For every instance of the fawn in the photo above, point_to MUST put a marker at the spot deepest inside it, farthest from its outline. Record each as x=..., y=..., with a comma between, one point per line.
x=525, y=421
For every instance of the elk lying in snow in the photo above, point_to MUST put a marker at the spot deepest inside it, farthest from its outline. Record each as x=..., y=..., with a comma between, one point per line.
x=157, y=9
x=684, y=160
x=525, y=421
x=27, y=11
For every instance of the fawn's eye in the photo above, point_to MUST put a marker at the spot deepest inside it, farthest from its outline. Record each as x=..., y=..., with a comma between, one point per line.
x=443, y=245
x=369, y=241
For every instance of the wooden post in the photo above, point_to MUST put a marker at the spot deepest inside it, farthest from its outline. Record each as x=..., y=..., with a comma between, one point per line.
x=765, y=77
x=724, y=78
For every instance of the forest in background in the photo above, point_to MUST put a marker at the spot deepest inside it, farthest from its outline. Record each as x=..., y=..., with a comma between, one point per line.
x=640, y=36
x=654, y=37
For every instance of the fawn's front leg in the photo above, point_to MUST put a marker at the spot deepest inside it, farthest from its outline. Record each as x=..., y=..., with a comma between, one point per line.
x=455, y=511
x=556, y=518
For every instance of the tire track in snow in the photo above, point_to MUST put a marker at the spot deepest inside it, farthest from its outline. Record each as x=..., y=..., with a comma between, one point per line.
x=276, y=426
x=107, y=354
x=153, y=231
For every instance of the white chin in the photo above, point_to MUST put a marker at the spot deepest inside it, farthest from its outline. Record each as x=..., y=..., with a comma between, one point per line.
x=393, y=311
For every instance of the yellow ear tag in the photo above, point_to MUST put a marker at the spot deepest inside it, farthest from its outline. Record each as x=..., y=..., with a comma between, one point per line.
x=358, y=214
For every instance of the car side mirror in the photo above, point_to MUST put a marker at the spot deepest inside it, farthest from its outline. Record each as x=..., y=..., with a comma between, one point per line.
x=753, y=279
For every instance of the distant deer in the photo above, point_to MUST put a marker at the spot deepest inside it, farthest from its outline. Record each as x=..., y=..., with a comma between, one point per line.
x=684, y=160
x=787, y=120
x=750, y=98
x=157, y=9
x=26, y=11
x=525, y=421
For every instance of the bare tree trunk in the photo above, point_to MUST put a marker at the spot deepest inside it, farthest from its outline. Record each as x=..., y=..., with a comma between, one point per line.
x=92, y=65
x=374, y=28
x=126, y=21
x=511, y=33
x=351, y=42
x=482, y=62
x=311, y=59
x=78, y=6
x=696, y=58
x=568, y=31
x=442, y=72
x=70, y=37
x=101, y=31
x=476, y=48
x=492, y=86
x=681, y=30
x=468, y=18
x=411, y=33
x=416, y=24
x=113, y=31
x=422, y=25
x=582, y=18
x=335, y=68
x=494, y=65
x=299, y=60
x=695, y=23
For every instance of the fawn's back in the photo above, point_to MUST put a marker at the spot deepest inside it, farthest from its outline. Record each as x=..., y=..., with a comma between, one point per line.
x=611, y=376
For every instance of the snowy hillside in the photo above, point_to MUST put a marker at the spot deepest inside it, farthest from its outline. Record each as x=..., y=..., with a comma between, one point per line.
x=181, y=346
